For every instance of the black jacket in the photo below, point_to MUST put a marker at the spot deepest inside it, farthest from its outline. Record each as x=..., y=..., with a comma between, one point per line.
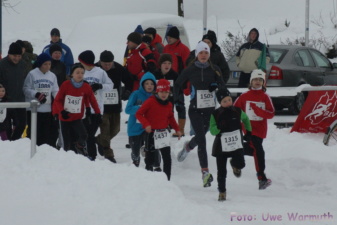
x=59, y=69
x=118, y=74
x=217, y=58
x=12, y=77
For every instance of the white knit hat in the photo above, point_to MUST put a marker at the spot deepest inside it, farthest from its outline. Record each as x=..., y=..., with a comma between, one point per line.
x=257, y=73
x=201, y=46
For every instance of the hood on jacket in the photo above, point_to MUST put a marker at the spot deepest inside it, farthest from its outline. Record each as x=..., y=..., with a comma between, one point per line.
x=147, y=76
x=257, y=37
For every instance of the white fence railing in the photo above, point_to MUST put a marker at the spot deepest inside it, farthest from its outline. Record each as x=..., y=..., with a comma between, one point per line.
x=33, y=105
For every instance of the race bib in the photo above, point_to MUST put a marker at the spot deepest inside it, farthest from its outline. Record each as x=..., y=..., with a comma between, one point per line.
x=73, y=104
x=3, y=114
x=161, y=138
x=111, y=97
x=205, y=99
x=250, y=112
x=231, y=141
x=45, y=91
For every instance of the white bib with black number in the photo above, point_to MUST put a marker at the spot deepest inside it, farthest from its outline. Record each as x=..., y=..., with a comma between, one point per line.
x=111, y=97
x=231, y=141
x=250, y=112
x=205, y=99
x=73, y=104
x=46, y=92
x=3, y=114
x=161, y=138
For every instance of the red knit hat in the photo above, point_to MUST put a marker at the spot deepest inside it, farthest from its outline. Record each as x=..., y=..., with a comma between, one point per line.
x=163, y=85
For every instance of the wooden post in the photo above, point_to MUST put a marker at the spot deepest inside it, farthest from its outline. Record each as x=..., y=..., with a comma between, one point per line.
x=181, y=8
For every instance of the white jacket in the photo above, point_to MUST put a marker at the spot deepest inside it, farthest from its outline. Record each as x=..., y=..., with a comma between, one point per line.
x=46, y=83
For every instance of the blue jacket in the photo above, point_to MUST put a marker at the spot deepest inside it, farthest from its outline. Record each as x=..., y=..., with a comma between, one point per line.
x=135, y=101
x=67, y=56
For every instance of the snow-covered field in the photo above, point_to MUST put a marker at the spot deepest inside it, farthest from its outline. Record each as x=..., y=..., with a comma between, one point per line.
x=55, y=187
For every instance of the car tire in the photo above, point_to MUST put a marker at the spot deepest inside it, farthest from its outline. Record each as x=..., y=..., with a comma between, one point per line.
x=298, y=103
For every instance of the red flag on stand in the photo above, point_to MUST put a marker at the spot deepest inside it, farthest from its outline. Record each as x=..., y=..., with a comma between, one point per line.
x=318, y=112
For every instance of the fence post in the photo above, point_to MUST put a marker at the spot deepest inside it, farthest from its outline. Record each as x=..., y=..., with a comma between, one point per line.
x=33, y=106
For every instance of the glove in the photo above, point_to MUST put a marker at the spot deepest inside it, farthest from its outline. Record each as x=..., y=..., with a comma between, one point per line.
x=87, y=112
x=96, y=86
x=65, y=114
x=248, y=136
x=98, y=118
x=126, y=95
x=212, y=87
x=134, y=77
x=41, y=97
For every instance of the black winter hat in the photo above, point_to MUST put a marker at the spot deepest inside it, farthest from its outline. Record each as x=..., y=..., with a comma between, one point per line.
x=210, y=36
x=87, y=57
x=106, y=56
x=21, y=43
x=55, y=32
x=151, y=31
x=42, y=58
x=222, y=93
x=15, y=49
x=147, y=40
x=75, y=66
x=54, y=47
x=173, y=33
x=164, y=57
x=135, y=37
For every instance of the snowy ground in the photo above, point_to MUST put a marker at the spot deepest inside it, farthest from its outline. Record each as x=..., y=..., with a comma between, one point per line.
x=56, y=187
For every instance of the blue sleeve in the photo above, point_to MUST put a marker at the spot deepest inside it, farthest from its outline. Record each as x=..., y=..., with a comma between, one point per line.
x=131, y=107
x=68, y=59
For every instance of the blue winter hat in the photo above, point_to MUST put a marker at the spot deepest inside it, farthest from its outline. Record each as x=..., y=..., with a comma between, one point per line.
x=42, y=58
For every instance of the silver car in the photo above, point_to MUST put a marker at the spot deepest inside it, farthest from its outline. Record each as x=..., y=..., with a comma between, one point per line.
x=292, y=66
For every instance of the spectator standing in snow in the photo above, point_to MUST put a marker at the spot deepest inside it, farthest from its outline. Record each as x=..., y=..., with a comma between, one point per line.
x=225, y=124
x=259, y=107
x=100, y=84
x=156, y=115
x=29, y=57
x=69, y=107
x=205, y=78
x=248, y=55
x=217, y=57
x=12, y=77
x=179, y=53
x=41, y=84
x=67, y=56
x=140, y=59
x=110, y=125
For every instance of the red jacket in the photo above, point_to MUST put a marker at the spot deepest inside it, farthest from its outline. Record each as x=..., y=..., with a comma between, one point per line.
x=259, y=127
x=139, y=61
x=156, y=115
x=88, y=98
x=179, y=53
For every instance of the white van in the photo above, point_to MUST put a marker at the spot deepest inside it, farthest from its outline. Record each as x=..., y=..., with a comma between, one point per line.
x=109, y=32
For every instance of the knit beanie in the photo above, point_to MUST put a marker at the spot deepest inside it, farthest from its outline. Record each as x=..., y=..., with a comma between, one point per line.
x=87, y=57
x=55, y=47
x=55, y=32
x=147, y=40
x=42, y=58
x=173, y=33
x=257, y=73
x=164, y=57
x=151, y=31
x=222, y=93
x=21, y=43
x=106, y=56
x=201, y=46
x=210, y=36
x=163, y=85
x=15, y=49
x=135, y=38
x=75, y=66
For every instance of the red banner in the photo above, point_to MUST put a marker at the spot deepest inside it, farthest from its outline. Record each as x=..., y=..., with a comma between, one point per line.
x=318, y=112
